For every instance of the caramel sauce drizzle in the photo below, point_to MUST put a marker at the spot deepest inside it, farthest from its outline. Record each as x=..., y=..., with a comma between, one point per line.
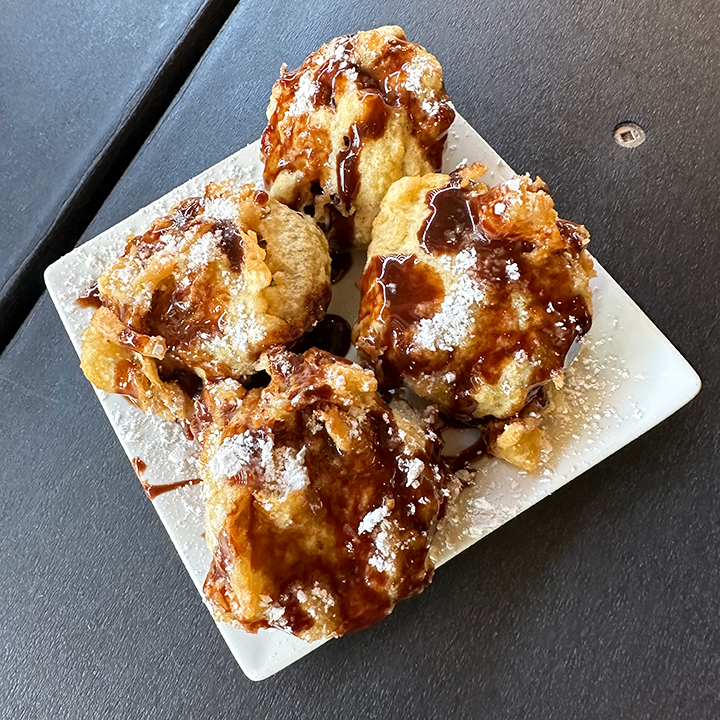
x=154, y=491
x=91, y=297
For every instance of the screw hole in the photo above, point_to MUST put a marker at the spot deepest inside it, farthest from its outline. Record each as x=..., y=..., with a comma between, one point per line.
x=629, y=135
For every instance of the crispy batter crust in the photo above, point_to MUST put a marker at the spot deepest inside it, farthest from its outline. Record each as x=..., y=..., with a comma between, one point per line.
x=204, y=292
x=474, y=297
x=321, y=499
x=359, y=113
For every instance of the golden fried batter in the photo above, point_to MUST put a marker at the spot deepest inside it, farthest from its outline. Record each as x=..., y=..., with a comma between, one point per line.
x=202, y=294
x=321, y=499
x=473, y=297
x=359, y=113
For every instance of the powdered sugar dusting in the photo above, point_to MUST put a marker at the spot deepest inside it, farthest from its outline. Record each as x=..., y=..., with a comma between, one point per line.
x=303, y=100
x=282, y=468
x=454, y=321
x=384, y=557
x=512, y=270
x=624, y=351
x=242, y=333
x=204, y=251
x=239, y=453
x=293, y=474
x=220, y=209
x=319, y=592
x=413, y=470
x=415, y=71
x=607, y=391
x=368, y=523
x=169, y=457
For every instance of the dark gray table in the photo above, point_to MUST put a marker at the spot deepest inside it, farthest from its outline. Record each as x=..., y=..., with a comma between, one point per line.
x=603, y=601
x=81, y=86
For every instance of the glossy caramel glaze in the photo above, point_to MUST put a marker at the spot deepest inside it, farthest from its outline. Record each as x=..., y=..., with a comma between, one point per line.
x=321, y=510
x=125, y=381
x=260, y=198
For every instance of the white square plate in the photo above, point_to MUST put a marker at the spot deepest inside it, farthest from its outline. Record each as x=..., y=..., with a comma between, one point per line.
x=627, y=378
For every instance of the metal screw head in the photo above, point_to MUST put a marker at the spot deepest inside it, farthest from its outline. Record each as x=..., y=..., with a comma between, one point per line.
x=629, y=135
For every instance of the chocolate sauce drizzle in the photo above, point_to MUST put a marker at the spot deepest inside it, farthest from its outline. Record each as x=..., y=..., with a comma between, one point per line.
x=406, y=290
x=154, y=490
x=370, y=128
x=231, y=243
x=451, y=223
x=344, y=486
x=341, y=264
x=292, y=142
x=90, y=298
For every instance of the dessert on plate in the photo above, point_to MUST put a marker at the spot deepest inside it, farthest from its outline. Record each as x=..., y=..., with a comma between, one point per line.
x=476, y=299
x=322, y=495
x=361, y=112
x=202, y=294
x=321, y=499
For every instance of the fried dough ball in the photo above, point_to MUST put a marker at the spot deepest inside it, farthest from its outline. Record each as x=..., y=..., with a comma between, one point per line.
x=359, y=113
x=202, y=294
x=474, y=298
x=321, y=499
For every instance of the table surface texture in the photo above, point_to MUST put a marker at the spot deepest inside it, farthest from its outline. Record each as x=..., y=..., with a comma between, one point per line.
x=81, y=86
x=603, y=601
